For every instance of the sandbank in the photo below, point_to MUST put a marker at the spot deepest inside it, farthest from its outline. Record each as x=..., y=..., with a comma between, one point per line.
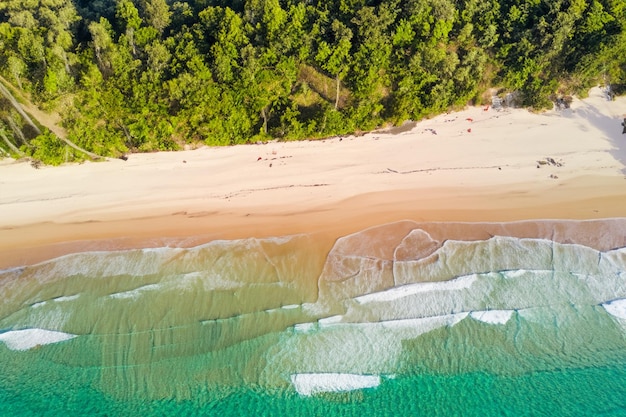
x=476, y=165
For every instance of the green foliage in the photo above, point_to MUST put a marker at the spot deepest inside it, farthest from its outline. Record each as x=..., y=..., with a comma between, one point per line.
x=50, y=150
x=145, y=75
x=158, y=14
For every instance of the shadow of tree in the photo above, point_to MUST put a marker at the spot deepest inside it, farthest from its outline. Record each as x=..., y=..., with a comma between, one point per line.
x=609, y=123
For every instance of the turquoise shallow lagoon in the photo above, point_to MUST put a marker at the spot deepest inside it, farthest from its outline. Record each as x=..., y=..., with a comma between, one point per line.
x=394, y=320
x=597, y=391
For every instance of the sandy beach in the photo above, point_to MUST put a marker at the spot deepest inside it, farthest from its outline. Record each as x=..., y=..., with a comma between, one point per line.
x=476, y=165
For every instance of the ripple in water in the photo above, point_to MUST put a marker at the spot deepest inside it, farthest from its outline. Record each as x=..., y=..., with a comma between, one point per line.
x=434, y=319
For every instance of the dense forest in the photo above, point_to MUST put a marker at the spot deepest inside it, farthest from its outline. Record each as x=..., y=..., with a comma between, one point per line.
x=86, y=78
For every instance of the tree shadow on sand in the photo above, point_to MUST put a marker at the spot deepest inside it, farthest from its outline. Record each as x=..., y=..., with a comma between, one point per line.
x=610, y=125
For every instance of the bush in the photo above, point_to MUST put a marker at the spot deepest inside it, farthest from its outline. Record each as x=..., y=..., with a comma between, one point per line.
x=50, y=150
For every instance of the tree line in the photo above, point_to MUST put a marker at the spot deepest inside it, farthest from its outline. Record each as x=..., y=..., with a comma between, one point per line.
x=147, y=75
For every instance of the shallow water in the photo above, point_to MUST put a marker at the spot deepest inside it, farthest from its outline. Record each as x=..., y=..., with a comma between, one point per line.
x=390, y=322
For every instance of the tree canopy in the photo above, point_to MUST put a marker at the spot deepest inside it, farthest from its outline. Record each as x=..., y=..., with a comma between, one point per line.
x=146, y=75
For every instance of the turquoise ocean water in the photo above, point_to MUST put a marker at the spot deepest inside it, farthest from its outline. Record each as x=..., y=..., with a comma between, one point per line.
x=391, y=322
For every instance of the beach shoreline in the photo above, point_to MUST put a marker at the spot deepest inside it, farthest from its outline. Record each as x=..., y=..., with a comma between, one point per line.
x=33, y=243
x=472, y=166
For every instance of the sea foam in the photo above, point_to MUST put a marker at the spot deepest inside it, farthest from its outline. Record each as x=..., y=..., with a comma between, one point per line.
x=304, y=327
x=422, y=287
x=425, y=324
x=492, y=316
x=29, y=338
x=330, y=320
x=616, y=308
x=136, y=292
x=66, y=298
x=311, y=384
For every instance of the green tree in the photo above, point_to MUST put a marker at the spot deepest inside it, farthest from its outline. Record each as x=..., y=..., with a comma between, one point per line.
x=369, y=72
x=334, y=57
x=158, y=14
x=230, y=39
x=103, y=45
x=17, y=68
x=128, y=14
x=267, y=83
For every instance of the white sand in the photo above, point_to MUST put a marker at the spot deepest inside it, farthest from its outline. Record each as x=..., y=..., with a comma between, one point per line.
x=487, y=174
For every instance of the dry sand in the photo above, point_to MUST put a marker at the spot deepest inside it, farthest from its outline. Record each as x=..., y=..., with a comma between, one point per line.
x=476, y=165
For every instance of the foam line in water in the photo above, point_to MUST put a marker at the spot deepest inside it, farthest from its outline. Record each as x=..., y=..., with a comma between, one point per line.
x=304, y=327
x=66, y=298
x=425, y=324
x=616, y=308
x=311, y=384
x=57, y=299
x=12, y=270
x=492, y=316
x=29, y=338
x=283, y=308
x=330, y=320
x=412, y=289
x=136, y=292
x=161, y=250
x=403, y=328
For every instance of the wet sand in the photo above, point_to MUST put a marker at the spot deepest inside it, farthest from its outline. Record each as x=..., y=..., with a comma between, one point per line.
x=470, y=166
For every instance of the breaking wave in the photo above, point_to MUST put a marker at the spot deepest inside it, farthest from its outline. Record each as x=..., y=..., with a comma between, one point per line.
x=285, y=314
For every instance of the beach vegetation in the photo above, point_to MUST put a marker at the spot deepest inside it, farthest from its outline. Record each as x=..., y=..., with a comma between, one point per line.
x=154, y=75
